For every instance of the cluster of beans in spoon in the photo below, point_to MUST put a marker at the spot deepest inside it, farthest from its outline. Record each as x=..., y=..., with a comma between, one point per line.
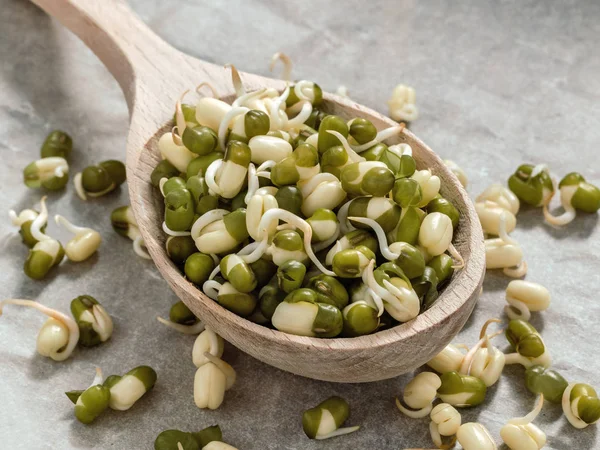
x=290, y=216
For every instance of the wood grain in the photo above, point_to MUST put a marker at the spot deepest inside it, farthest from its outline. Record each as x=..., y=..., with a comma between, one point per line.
x=152, y=75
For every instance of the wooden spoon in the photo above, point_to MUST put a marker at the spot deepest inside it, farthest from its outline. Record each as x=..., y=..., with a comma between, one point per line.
x=152, y=75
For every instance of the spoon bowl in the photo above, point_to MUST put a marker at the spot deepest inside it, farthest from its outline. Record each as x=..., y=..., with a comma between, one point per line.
x=153, y=75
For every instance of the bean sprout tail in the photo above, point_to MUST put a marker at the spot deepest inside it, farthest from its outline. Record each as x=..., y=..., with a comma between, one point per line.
x=179, y=117
x=531, y=416
x=170, y=232
x=568, y=410
x=302, y=116
x=227, y=119
x=286, y=74
x=39, y=222
x=517, y=358
x=196, y=328
x=161, y=184
x=518, y=272
x=345, y=226
x=98, y=378
x=209, y=86
x=258, y=252
x=206, y=219
x=236, y=80
x=323, y=245
x=456, y=256
x=175, y=136
x=138, y=244
x=253, y=184
x=352, y=155
x=414, y=414
x=215, y=272
x=62, y=221
x=381, y=136
x=483, y=331
x=211, y=288
x=516, y=309
x=210, y=177
x=378, y=302
x=567, y=217
x=338, y=432
x=381, y=237
x=79, y=187
x=66, y=320
x=244, y=99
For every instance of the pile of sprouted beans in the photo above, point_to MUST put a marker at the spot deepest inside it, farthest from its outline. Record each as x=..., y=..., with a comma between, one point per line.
x=310, y=223
x=299, y=219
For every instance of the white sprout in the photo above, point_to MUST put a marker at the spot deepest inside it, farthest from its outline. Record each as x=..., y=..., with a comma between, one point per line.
x=210, y=177
x=79, y=186
x=161, y=185
x=210, y=86
x=237, y=80
x=381, y=136
x=352, y=155
x=253, y=183
x=258, y=251
x=227, y=119
x=39, y=222
x=566, y=194
x=84, y=244
x=279, y=117
x=302, y=116
x=180, y=119
x=246, y=98
x=281, y=214
x=206, y=219
x=196, y=328
x=170, y=232
x=211, y=288
x=381, y=237
x=342, y=217
x=56, y=315
x=22, y=217
x=523, y=297
x=138, y=243
x=286, y=75
x=568, y=406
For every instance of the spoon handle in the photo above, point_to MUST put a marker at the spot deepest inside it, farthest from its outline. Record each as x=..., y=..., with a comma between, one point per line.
x=114, y=33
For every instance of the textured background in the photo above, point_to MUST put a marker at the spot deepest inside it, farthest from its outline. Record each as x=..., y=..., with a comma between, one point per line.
x=498, y=83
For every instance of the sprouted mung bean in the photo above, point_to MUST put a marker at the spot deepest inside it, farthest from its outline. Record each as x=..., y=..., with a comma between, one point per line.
x=85, y=242
x=91, y=402
x=445, y=421
x=523, y=297
x=100, y=179
x=182, y=319
x=474, y=436
x=126, y=390
x=59, y=335
x=124, y=223
x=576, y=194
x=419, y=394
x=51, y=173
x=521, y=434
x=272, y=161
x=94, y=322
x=324, y=420
x=198, y=440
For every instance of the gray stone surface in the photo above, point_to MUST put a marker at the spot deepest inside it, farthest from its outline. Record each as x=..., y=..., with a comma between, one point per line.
x=498, y=83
